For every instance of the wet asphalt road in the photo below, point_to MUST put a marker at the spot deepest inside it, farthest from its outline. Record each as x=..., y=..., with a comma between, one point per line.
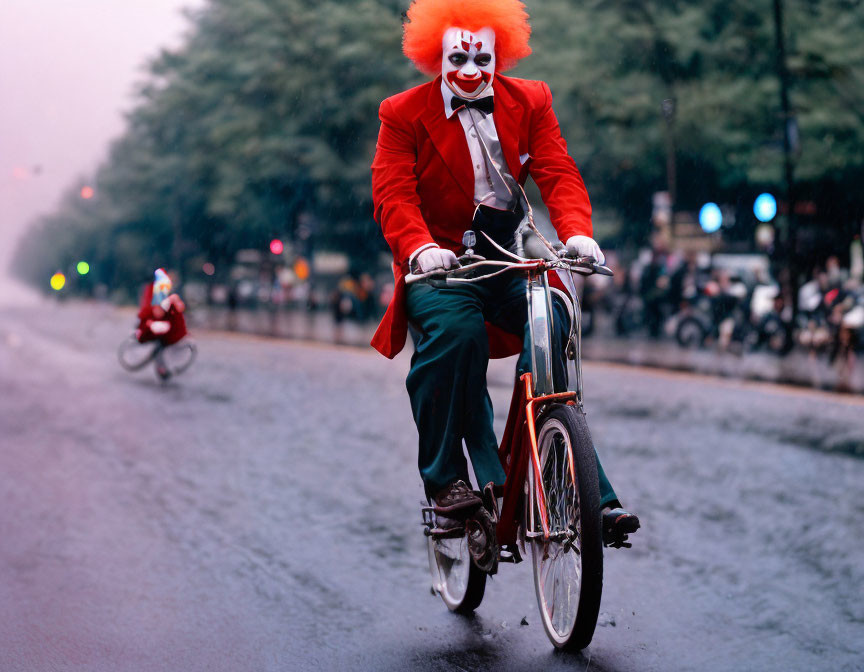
x=261, y=513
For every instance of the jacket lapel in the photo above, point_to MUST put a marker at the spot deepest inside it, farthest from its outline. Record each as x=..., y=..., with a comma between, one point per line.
x=449, y=139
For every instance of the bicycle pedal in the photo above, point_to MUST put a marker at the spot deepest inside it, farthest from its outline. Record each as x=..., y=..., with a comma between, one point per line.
x=618, y=543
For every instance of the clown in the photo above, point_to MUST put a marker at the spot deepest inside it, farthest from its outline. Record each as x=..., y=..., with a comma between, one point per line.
x=161, y=314
x=452, y=155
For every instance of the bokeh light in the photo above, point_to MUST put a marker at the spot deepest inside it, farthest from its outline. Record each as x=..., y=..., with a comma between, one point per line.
x=87, y=192
x=765, y=207
x=710, y=218
x=58, y=281
x=765, y=235
x=208, y=268
x=301, y=269
x=83, y=268
x=276, y=246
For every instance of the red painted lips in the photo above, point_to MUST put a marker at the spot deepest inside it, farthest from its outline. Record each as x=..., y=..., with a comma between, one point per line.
x=468, y=85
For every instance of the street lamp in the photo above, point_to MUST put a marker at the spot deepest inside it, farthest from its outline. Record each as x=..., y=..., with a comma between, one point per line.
x=667, y=107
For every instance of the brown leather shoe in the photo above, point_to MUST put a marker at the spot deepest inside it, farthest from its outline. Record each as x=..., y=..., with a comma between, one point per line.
x=457, y=501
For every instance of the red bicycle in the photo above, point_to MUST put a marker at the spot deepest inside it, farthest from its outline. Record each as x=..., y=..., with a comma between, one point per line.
x=551, y=500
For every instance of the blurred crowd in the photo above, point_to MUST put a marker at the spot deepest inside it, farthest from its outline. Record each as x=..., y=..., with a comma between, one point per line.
x=731, y=303
x=724, y=302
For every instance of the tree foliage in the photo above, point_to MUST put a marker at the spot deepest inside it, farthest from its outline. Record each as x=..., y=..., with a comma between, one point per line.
x=270, y=110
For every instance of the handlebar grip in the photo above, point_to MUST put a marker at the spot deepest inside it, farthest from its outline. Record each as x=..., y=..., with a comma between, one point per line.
x=411, y=278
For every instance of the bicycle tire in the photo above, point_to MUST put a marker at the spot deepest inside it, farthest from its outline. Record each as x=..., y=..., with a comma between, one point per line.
x=690, y=332
x=130, y=361
x=455, y=578
x=175, y=359
x=575, y=587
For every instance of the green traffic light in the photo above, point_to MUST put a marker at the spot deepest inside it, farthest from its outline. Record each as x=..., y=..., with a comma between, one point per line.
x=83, y=268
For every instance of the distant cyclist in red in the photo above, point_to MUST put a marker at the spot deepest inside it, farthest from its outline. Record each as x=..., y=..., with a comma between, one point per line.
x=161, y=312
x=449, y=156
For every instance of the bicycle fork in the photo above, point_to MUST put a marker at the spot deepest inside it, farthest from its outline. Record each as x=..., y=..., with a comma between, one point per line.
x=532, y=406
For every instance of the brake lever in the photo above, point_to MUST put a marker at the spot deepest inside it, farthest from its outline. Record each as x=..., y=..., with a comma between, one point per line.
x=588, y=263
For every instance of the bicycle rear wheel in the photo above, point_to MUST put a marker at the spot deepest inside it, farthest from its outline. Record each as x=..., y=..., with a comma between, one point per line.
x=568, y=567
x=454, y=577
x=134, y=356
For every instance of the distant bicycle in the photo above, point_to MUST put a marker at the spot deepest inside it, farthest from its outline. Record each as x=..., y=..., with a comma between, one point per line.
x=170, y=360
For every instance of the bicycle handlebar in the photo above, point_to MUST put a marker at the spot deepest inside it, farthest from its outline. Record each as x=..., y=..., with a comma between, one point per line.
x=581, y=265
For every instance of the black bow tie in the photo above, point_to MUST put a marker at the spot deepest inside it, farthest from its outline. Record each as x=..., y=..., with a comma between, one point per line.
x=486, y=104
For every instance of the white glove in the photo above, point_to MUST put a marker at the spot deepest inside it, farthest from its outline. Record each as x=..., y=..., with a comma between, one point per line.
x=433, y=258
x=160, y=327
x=584, y=246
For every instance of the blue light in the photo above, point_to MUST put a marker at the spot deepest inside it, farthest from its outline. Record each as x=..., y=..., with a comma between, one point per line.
x=765, y=207
x=710, y=217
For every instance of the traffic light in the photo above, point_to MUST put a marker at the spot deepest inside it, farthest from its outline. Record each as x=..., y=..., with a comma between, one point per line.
x=276, y=246
x=765, y=207
x=710, y=218
x=83, y=268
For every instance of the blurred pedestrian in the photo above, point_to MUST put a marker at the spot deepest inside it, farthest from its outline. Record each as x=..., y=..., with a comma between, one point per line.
x=653, y=286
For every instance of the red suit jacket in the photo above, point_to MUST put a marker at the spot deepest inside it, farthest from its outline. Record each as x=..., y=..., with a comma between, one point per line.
x=423, y=181
x=173, y=316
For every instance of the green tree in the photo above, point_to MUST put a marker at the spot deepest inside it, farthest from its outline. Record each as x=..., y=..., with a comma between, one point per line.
x=270, y=110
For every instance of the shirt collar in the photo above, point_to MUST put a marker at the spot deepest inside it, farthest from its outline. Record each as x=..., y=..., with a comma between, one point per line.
x=448, y=94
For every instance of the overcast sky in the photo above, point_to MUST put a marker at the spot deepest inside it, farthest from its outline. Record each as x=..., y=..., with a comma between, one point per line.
x=67, y=71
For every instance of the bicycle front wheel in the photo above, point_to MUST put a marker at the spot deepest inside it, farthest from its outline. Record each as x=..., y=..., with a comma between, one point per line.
x=133, y=355
x=568, y=566
x=174, y=359
x=454, y=577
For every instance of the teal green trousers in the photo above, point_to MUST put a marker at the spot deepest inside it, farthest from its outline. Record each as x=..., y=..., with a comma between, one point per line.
x=447, y=380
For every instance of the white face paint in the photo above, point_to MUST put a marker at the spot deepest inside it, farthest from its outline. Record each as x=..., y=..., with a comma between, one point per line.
x=468, y=62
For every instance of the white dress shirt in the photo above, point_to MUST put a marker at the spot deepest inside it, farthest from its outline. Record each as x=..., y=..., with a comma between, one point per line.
x=488, y=188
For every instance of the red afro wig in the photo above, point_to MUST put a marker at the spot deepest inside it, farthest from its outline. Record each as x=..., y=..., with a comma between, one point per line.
x=429, y=19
